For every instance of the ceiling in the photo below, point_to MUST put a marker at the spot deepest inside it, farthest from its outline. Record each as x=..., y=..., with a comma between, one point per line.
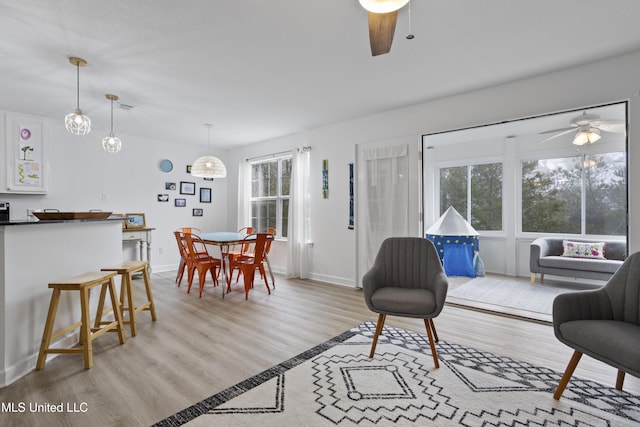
x=261, y=69
x=535, y=130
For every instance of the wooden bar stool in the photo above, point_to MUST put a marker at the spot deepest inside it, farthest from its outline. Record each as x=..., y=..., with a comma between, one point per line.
x=126, y=270
x=83, y=284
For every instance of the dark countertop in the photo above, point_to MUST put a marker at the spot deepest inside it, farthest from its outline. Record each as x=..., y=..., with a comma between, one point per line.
x=27, y=222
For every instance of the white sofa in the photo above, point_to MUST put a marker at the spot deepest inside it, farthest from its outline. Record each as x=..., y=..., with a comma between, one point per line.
x=546, y=258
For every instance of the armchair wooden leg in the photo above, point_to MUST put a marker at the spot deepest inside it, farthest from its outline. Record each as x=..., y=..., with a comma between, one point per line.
x=381, y=319
x=567, y=374
x=533, y=278
x=620, y=380
x=432, y=343
x=433, y=328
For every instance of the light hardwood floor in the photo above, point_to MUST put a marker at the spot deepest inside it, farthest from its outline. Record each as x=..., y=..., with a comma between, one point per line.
x=200, y=346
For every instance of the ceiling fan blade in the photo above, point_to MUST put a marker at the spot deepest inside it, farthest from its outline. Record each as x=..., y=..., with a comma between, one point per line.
x=612, y=126
x=564, y=132
x=557, y=130
x=382, y=26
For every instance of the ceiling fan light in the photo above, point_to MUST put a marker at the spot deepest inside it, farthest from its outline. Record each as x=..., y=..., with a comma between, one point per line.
x=383, y=6
x=587, y=136
x=208, y=167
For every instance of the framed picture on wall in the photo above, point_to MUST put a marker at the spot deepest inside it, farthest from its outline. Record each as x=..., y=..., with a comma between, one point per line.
x=197, y=212
x=180, y=203
x=205, y=195
x=187, y=188
x=25, y=156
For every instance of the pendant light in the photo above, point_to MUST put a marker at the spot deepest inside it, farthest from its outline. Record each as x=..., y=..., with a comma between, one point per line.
x=76, y=122
x=383, y=6
x=111, y=143
x=208, y=166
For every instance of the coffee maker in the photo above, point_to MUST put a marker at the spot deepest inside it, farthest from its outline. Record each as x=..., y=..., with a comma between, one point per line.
x=4, y=212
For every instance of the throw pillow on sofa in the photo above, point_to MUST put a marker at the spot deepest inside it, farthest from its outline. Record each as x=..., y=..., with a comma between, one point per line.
x=583, y=249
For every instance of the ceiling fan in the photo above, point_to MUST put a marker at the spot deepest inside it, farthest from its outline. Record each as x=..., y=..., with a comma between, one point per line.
x=383, y=15
x=587, y=128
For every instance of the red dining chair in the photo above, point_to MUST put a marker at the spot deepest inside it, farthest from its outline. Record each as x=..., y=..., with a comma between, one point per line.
x=200, y=260
x=272, y=232
x=184, y=257
x=249, y=263
x=245, y=247
x=239, y=250
x=186, y=262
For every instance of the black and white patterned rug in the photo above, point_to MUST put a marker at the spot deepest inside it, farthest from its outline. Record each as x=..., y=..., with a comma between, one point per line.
x=336, y=383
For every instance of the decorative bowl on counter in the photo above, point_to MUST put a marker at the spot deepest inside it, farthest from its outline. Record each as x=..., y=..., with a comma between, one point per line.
x=55, y=215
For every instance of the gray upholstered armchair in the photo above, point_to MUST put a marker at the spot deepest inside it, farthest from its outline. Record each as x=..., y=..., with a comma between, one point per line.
x=604, y=324
x=406, y=280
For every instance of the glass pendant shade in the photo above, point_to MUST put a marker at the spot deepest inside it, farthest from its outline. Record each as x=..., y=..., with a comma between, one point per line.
x=76, y=122
x=383, y=6
x=590, y=136
x=208, y=167
x=111, y=143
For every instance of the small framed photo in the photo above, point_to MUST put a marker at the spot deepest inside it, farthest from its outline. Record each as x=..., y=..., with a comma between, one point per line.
x=180, y=203
x=188, y=168
x=169, y=185
x=136, y=220
x=197, y=212
x=205, y=195
x=163, y=197
x=187, y=188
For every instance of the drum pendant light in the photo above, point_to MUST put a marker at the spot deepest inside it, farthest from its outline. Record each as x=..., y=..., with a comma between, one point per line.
x=208, y=166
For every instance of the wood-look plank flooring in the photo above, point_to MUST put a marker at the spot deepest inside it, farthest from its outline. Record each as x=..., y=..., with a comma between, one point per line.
x=200, y=346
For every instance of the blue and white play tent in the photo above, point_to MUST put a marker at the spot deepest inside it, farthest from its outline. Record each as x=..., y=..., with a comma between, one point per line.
x=457, y=244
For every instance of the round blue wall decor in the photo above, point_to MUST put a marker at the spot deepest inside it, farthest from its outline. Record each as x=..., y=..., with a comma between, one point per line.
x=166, y=165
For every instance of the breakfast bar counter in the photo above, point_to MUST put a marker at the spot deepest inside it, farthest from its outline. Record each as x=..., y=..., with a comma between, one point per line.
x=32, y=255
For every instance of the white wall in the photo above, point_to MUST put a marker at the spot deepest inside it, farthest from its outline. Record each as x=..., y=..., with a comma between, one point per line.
x=81, y=172
x=334, y=250
x=82, y=175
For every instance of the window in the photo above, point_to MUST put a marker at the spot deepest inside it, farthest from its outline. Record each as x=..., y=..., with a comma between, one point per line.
x=270, y=182
x=576, y=195
x=475, y=186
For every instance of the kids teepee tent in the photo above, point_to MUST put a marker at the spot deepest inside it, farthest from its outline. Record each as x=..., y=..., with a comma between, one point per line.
x=456, y=242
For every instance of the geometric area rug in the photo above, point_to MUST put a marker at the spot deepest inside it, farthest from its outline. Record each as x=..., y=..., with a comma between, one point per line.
x=336, y=383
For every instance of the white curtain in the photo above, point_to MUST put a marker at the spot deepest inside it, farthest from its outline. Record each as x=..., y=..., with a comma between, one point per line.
x=385, y=193
x=299, y=228
x=244, y=194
